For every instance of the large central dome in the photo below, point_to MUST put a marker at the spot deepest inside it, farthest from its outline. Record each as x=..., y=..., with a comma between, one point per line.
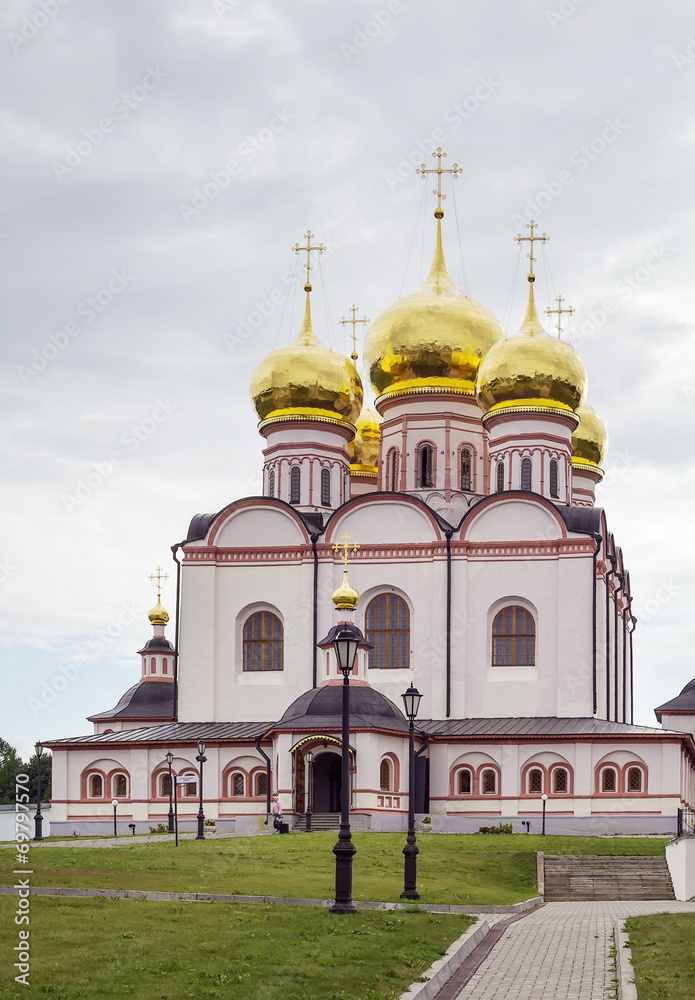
x=431, y=340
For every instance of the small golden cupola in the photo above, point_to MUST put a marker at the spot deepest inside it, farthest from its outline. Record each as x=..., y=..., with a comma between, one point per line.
x=308, y=399
x=364, y=452
x=589, y=447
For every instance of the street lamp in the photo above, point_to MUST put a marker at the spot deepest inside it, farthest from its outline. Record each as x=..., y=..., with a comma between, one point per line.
x=169, y=759
x=114, y=803
x=544, y=799
x=201, y=758
x=38, y=815
x=411, y=701
x=309, y=757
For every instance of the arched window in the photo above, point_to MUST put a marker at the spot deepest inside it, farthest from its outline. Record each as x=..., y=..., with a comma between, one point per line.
x=260, y=783
x=465, y=469
x=560, y=780
x=295, y=484
x=500, y=477
x=392, y=470
x=553, y=478
x=425, y=465
x=609, y=780
x=153, y=665
x=535, y=781
x=263, y=642
x=164, y=785
x=513, y=638
x=236, y=783
x=119, y=785
x=489, y=781
x=95, y=786
x=271, y=483
x=526, y=474
x=464, y=782
x=385, y=775
x=165, y=666
x=325, y=487
x=190, y=789
x=388, y=629
x=634, y=780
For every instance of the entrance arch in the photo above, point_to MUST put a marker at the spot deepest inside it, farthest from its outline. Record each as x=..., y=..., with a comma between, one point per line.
x=326, y=782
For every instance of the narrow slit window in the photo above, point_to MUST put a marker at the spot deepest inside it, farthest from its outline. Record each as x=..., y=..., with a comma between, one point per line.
x=325, y=487
x=526, y=474
x=385, y=776
x=500, y=477
x=465, y=469
x=295, y=484
x=271, y=483
x=553, y=479
x=425, y=463
x=465, y=783
x=393, y=471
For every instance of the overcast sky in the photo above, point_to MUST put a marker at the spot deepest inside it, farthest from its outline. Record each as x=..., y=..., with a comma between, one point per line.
x=159, y=161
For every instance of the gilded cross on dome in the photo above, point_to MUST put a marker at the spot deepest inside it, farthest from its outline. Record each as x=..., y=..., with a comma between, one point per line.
x=559, y=311
x=439, y=170
x=354, y=322
x=308, y=250
x=159, y=576
x=345, y=548
x=531, y=239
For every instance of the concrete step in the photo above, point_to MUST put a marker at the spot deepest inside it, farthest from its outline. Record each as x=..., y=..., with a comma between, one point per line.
x=578, y=877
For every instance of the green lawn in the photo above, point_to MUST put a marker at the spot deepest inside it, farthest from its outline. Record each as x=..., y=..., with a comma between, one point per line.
x=463, y=869
x=663, y=955
x=94, y=948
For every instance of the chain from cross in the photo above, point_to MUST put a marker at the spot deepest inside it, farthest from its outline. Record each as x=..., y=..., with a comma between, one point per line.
x=159, y=576
x=354, y=322
x=531, y=239
x=308, y=250
x=345, y=548
x=438, y=170
x=559, y=311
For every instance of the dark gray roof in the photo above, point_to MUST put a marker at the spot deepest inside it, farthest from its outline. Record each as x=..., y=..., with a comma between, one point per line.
x=174, y=733
x=157, y=644
x=685, y=702
x=533, y=727
x=321, y=708
x=145, y=700
x=583, y=519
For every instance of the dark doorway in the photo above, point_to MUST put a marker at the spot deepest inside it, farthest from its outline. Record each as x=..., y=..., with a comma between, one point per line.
x=326, y=775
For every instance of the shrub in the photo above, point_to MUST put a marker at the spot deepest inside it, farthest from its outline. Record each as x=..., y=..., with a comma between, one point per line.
x=502, y=828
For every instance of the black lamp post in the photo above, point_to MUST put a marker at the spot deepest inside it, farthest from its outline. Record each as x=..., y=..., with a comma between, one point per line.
x=201, y=758
x=114, y=803
x=309, y=758
x=170, y=759
x=544, y=799
x=411, y=701
x=38, y=816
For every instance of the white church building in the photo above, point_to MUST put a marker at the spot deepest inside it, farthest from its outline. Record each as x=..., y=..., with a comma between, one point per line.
x=487, y=577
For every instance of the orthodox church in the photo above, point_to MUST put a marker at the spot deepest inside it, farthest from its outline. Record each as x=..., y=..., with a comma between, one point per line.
x=480, y=571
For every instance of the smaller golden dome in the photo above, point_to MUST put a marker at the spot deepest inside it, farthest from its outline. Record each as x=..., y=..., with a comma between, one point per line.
x=531, y=371
x=158, y=616
x=364, y=447
x=345, y=597
x=306, y=381
x=590, y=439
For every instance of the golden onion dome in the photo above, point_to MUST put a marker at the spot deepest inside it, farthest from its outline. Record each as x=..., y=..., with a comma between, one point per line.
x=345, y=597
x=306, y=381
x=158, y=616
x=364, y=447
x=431, y=340
x=590, y=439
x=531, y=371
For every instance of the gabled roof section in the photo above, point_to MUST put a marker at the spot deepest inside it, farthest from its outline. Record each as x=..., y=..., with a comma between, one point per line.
x=181, y=733
x=538, y=728
x=684, y=703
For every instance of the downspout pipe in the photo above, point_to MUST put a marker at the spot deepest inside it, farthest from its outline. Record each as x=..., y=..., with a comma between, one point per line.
x=609, y=573
x=597, y=539
x=448, y=532
x=626, y=619
x=633, y=622
x=314, y=645
x=618, y=589
x=174, y=550
x=262, y=752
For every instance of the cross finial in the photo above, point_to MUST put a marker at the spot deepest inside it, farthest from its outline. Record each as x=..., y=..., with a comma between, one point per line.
x=308, y=249
x=439, y=170
x=354, y=321
x=345, y=548
x=531, y=239
x=559, y=312
x=159, y=576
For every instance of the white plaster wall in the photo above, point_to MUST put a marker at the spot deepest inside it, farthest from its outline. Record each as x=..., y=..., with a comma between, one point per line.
x=680, y=857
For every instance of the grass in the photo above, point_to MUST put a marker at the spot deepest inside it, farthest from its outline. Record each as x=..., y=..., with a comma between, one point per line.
x=468, y=869
x=663, y=955
x=86, y=949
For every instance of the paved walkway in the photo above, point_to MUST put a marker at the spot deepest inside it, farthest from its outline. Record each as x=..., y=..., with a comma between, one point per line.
x=559, y=952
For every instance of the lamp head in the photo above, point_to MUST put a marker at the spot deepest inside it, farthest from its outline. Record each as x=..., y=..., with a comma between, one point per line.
x=38, y=746
x=169, y=757
x=345, y=643
x=201, y=747
x=114, y=802
x=411, y=701
x=309, y=756
x=544, y=797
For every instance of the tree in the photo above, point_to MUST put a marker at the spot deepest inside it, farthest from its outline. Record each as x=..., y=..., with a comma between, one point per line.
x=11, y=764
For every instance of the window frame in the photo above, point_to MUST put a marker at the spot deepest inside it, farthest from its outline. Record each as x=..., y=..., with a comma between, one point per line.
x=295, y=484
x=89, y=778
x=554, y=479
x=629, y=768
x=485, y=770
x=526, y=475
x=535, y=770
x=459, y=774
x=518, y=639
x=425, y=475
x=114, y=779
x=603, y=771
x=271, y=483
x=392, y=470
x=249, y=643
x=325, y=486
x=499, y=477
x=372, y=633
x=466, y=469
x=385, y=768
x=561, y=768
